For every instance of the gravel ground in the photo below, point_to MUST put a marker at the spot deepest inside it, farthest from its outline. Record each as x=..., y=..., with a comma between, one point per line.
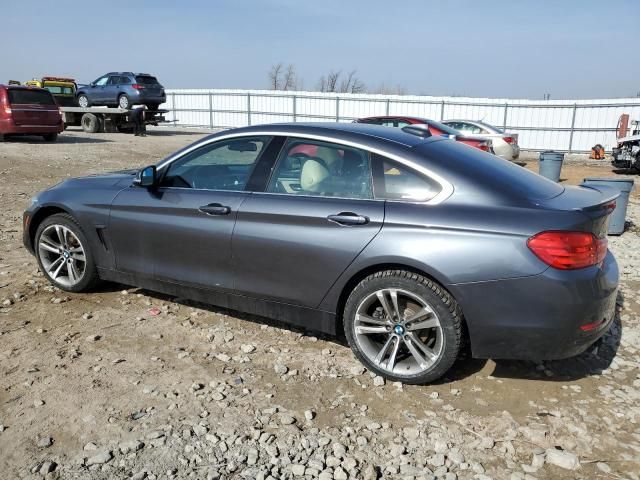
x=125, y=383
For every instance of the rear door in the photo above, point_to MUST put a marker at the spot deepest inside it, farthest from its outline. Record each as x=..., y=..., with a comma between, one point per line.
x=292, y=241
x=33, y=107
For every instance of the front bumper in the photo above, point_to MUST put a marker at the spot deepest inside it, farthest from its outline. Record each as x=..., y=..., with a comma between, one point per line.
x=539, y=317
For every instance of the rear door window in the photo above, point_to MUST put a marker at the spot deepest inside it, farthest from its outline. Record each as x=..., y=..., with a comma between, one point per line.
x=394, y=181
x=314, y=168
x=31, y=97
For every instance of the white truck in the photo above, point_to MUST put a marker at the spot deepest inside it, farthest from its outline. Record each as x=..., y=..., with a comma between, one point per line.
x=106, y=119
x=627, y=153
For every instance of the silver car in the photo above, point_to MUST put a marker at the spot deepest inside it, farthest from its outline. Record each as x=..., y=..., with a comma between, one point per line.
x=505, y=145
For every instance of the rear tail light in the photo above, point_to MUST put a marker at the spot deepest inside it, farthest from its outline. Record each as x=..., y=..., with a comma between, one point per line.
x=568, y=250
x=485, y=146
x=509, y=140
x=137, y=86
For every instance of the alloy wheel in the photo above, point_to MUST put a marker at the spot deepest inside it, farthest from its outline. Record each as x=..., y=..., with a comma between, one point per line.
x=62, y=255
x=123, y=102
x=398, y=331
x=83, y=101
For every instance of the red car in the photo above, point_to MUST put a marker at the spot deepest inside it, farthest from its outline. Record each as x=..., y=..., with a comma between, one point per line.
x=436, y=128
x=29, y=111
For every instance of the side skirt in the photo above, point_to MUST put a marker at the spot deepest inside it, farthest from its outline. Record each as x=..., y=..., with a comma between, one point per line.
x=307, y=318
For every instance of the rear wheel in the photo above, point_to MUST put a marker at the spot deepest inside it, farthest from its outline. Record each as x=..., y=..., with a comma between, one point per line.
x=90, y=123
x=124, y=102
x=50, y=137
x=83, y=101
x=403, y=326
x=63, y=254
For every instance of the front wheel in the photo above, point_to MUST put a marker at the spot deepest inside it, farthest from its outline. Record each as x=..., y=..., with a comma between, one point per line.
x=64, y=255
x=83, y=101
x=403, y=326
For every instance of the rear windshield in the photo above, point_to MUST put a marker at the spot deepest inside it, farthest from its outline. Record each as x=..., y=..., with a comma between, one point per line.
x=33, y=97
x=146, y=80
x=480, y=169
x=56, y=90
x=442, y=127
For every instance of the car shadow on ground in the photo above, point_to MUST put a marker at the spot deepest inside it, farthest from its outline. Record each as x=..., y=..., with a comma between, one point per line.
x=172, y=133
x=592, y=362
x=625, y=171
x=62, y=138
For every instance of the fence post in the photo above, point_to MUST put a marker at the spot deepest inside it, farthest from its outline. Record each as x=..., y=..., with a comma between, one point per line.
x=573, y=124
x=210, y=110
x=504, y=119
x=337, y=109
x=387, y=108
x=248, y=109
x=442, y=110
x=173, y=107
x=295, y=108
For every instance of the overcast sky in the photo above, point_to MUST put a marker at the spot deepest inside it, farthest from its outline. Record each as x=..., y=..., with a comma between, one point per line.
x=515, y=49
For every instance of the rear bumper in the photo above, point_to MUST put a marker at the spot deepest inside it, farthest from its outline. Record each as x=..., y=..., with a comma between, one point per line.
x=140, y=96
x=8, y=127
x=539, y=317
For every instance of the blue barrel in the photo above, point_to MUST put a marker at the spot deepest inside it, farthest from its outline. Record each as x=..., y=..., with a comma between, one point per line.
x=550, y=164
x=619, y=215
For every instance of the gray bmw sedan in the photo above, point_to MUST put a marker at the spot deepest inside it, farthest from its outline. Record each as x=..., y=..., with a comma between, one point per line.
x=408, y=243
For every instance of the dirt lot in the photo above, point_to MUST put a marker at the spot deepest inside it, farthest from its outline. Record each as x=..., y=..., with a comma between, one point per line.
x=103, y=385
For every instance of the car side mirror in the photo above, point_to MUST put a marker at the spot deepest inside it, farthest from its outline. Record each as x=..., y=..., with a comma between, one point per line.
x=147, y=177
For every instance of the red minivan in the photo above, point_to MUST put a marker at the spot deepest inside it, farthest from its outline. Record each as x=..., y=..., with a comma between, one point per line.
x=29, y=111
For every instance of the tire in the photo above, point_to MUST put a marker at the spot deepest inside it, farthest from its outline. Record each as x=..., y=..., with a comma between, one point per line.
x=72, y=267
x=90, y=123
x=83, y=101
x=50, y=137
x=416, y=350
x=124, y=102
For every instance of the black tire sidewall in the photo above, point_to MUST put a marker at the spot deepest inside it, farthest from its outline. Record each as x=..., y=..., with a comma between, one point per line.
x=90, y=274
x=434, y=295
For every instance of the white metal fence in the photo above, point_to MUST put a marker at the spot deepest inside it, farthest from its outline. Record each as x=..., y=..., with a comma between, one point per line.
x=562, y=125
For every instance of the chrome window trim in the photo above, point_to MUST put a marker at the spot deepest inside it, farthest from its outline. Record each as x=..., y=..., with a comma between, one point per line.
x=445, y=192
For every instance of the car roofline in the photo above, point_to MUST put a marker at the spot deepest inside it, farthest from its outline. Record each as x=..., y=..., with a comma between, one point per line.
x=268, y=130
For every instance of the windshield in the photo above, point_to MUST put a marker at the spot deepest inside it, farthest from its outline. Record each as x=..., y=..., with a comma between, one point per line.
x=147, y=80
x=31, y=97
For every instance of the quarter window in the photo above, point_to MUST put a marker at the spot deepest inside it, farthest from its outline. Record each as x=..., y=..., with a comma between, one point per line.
x=224, y=165
x=307, y=167
x=397, y=182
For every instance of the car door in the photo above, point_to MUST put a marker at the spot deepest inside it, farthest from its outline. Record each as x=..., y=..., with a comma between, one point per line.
x=111, y=90
x=317, y=213
x=181, y=230
x=97, y=90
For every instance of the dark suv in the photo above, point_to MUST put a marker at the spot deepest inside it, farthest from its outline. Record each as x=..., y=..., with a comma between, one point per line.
x=122, y=89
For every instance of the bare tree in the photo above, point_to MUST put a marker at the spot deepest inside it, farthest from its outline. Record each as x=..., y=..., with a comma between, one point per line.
x=290, y=81
x=275, y=74
x=332, y=81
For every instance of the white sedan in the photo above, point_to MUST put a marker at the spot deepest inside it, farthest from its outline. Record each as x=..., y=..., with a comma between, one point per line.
x=505, y=145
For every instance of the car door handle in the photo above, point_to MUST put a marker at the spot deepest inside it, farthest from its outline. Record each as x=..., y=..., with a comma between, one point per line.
x=348, y=218
x=215, y=209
